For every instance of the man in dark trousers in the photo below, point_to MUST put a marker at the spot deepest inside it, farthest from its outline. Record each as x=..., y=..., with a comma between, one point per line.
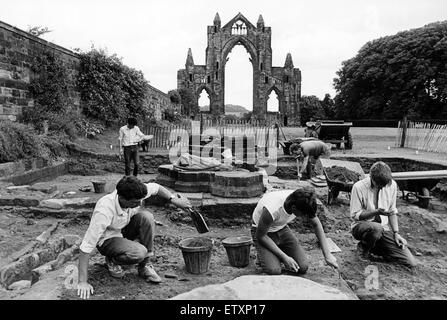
x=123, y=231
x=129, y=137
x=308, y=152
x=374, y=217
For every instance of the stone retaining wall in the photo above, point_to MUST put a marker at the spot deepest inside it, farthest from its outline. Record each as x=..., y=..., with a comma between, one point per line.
x=17, y=51
x=29, y=171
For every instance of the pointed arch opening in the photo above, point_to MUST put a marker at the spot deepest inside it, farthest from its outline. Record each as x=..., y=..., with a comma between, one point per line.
x=204, y=100
x=239, y=78
x=273, y=102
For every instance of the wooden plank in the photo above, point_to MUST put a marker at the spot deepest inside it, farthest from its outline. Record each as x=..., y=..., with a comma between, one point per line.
x=418, y=175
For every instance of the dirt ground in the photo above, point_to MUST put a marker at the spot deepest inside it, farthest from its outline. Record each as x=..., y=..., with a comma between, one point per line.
x=427, y=281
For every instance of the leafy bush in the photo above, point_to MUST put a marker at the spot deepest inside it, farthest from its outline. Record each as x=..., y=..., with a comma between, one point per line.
x=110, y=91
x=50, y=84
x=174, y=96
x=50, y=89
x=19, y=141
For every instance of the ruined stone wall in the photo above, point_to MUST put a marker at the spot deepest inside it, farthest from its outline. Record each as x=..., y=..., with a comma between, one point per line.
x=160, y=102
x=17, y=51
x=285, y=81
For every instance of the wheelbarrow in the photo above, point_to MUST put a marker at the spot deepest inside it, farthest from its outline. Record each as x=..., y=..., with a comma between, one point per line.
x=418, y=184
x=335, y=186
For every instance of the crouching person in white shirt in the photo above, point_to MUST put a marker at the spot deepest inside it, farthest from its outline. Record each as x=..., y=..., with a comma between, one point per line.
x=374, y=215
x=123, y=231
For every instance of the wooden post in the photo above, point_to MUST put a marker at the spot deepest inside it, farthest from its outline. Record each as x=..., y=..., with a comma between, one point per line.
x=404, y=132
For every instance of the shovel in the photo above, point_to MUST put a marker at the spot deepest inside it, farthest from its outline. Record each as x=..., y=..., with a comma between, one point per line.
x=198, y=220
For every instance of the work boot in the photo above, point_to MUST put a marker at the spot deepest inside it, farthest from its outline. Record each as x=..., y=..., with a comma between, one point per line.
x=115, y=270
x=363, y=253
x=148, y=273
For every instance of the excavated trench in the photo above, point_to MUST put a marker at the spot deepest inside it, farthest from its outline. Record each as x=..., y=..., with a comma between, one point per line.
x=227, y=213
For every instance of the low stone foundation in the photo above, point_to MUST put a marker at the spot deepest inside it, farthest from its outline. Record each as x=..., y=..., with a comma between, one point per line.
x=227, y=184
x=38, y=172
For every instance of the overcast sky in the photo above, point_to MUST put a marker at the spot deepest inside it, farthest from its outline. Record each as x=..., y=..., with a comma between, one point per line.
x=154, y=36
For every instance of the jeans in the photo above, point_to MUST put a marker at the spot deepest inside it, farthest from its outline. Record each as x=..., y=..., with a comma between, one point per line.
x=288, y=243
x=375, y=239
x=131, y=154
x=125, y=251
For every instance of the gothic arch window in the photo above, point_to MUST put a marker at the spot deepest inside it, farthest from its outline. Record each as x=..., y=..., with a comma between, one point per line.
x=239, y=28
x=266, y=80
x=217, y=65
x=262, y=66
x=190, y=77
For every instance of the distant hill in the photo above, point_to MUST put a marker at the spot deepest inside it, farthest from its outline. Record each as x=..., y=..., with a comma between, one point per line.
x=228, y=108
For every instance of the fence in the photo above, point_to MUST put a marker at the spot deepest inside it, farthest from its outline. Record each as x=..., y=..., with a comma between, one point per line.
x=422, y=136
x=180, y=135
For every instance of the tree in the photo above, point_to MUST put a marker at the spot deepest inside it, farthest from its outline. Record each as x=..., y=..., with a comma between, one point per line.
x=111, y=91
x=311, y=108
x=189, y=102
x=403, y=74
x=328, y=106
x=174, y=96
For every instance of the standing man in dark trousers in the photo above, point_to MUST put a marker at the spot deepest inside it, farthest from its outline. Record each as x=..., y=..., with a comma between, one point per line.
x=129, y=136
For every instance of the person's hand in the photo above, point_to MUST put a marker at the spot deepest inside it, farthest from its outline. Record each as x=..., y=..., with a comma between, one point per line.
x=121, y=153
x=291, y=264
x=181, y=202
x=84, y=290
x=331, y=260
x=401, y=242
x=384, y=212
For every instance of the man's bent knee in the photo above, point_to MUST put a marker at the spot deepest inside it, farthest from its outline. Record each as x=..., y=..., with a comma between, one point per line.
x=135, y=255
x=145, y=216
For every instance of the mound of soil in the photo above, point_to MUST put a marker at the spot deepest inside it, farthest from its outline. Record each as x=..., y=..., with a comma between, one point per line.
x=342, y=174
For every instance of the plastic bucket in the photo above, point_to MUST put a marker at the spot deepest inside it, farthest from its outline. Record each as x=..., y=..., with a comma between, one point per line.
x=196, y=253
x=99, y=186
x=238, y=250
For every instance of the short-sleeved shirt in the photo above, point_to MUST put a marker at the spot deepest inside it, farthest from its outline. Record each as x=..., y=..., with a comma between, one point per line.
x=314, y=148
x=274, y=203
x=109, y=218
x=362, y=199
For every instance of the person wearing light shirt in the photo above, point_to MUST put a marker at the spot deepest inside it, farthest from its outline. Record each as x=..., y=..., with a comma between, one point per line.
x=307, y=153
x=129, y=137
x=123, y=231
x=275, y=243
x=374, y=215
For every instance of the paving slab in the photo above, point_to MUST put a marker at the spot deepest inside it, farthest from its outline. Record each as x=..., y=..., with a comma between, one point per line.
x=255, y=287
